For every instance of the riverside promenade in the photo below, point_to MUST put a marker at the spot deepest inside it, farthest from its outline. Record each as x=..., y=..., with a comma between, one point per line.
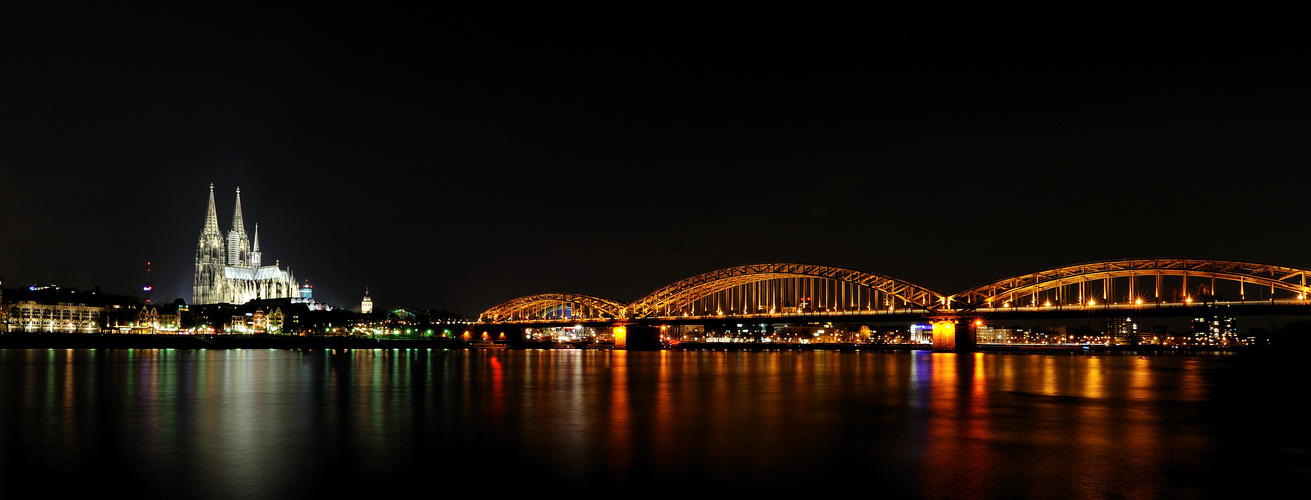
x=117, y=341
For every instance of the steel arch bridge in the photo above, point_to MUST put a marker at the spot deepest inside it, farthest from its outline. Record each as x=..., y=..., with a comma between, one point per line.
x=783, y=289
x=1138, y=282
x=554, y=307
x=754, y=289
x=830, y=288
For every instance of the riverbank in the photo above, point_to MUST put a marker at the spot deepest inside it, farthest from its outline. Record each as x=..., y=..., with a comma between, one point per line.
x=750, y=346
x=113, y=341
x=118, y=341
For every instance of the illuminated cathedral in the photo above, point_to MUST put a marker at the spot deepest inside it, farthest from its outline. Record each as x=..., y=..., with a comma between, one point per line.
x=229, y=270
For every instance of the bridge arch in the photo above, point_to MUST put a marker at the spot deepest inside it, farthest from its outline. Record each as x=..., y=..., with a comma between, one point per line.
x=868, y=290
x=553, y=307
x=1140, y=281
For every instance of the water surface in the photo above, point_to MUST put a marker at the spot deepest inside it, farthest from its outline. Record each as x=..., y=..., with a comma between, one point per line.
x=289, y=424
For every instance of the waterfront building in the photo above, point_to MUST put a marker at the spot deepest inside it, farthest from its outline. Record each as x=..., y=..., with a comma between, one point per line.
x=259, y=322
x=1122, y=329
x=54, y=309
x=992, y=335
x=1215, y=328
x=229, y=270
x=147, y=321
x=366, y=305
x=35, y=317
x=275, y=320
x=238, y=324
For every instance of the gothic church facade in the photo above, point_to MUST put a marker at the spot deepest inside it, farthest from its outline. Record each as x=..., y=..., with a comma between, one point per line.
x=229, y=270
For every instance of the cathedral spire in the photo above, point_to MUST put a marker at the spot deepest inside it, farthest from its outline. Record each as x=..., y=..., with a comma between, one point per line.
x=210, y=251
x=238, y=244
x=254, y=252
x=238, y=224
x=211, y=217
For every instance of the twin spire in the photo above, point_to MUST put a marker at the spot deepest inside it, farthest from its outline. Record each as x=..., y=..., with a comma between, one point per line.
x=211, y=216
x=239, y=248
x=238, y=224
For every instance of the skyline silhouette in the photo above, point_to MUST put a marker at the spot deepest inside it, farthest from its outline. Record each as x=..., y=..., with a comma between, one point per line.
x=453, y=161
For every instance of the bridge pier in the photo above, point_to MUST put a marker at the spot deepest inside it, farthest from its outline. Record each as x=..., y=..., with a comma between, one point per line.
x=493, y=333
x=636, y=337
x=954, y=335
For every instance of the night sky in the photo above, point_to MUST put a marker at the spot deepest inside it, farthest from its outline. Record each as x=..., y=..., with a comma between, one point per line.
x=454, y=160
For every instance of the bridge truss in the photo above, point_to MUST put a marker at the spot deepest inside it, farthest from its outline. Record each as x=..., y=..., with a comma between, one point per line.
x=786, y=289
x=782, y=288
x=751, y=290
x=1139, y=282
x=554, y=307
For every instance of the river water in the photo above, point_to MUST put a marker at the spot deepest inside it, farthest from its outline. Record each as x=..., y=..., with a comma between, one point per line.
x=323, y=424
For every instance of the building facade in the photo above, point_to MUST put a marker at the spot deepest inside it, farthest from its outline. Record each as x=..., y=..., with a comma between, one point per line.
x=54, y=309
x=34, y=317
x=229, y=270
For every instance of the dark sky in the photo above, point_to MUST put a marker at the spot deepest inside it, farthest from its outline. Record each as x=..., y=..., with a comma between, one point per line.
x=453, y=160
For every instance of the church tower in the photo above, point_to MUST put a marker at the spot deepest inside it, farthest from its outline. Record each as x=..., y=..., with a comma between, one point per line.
x=254, y=253
x=209, y=259
x=238, y=244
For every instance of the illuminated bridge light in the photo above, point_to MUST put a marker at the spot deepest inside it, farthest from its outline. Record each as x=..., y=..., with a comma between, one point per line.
x=784, y=289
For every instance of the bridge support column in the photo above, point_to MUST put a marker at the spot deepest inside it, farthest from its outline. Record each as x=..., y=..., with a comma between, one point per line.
x=635, y=337
x=954, y=335
x=494, y=333
x=620, y=333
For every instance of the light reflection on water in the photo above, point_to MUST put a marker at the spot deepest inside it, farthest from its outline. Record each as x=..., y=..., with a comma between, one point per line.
x=286, y=424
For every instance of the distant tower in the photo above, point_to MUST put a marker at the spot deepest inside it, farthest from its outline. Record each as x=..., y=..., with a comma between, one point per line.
x=210, y=258
x=366, y=305
x=147, y=288
x=307, y=291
